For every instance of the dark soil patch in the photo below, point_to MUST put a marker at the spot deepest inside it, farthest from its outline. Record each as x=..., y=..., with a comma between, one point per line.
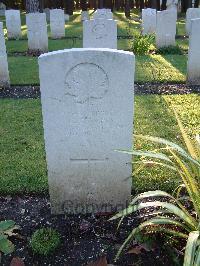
x=85, y=238
x=20, y=92
x=27, y=92
x=165, y=88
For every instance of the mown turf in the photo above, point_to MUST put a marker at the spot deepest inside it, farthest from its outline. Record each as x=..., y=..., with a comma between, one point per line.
x=149, y=68
x=22, y=163
x=23, y=70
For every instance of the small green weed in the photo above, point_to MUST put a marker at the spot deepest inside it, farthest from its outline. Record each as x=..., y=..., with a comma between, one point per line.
x=45, y=241
x=142, y=44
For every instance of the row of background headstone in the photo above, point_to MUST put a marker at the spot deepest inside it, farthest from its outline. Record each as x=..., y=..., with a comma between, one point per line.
x=97, y=33
x=152, y=22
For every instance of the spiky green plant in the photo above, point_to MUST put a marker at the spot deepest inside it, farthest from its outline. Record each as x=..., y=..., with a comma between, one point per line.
x=6, y=230
x=171, y=214
x=142, y=44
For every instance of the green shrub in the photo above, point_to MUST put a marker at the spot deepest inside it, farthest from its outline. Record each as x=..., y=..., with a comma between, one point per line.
x=142, y=44
x=170, y=50
x=45, y=241
x=173, y=215
x=6, y=230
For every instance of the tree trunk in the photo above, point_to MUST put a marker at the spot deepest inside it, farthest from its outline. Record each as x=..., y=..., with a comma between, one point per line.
x=32, y=6
x=83, y=4
x=189, y=4
x=41, y=5
x=185, y=4
x=100, y=3
x=132, y=4
x=108, y=4
x=127, y=8
x=69, y=7
x=154, y=4
x=158, y=4
x=196, y=3
x=141, y=4
x=164, y=4
x=117, y=5
x=137, y=3
x=95, y=4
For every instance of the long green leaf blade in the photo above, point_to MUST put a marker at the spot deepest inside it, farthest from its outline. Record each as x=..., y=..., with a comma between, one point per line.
x=160, y=156
x=170, y=207
x=155, y=193
x=197, y=259
x=151, y=222
x=191, y=248
x=5, y=225
x=172, y=145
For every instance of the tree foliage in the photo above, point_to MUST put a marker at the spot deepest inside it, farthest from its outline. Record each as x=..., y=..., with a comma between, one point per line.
x=71, y=5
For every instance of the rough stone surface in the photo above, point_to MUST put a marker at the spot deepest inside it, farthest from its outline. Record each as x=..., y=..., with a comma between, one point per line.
x=13, y=24
x=57, y=23
x=148, y=21
x=103, y=13
x=100, y=33
x=191, y=13
x=2, y=9
x=87, y=104
x=47, y=12
x=37, y=32
x=165, y=28
x=85, y=15
x=4, y=73
x=193, y=67
x=172, y=5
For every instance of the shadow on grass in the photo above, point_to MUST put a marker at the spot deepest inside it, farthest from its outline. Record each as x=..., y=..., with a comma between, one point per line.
x=177, y=61
x=159, y=68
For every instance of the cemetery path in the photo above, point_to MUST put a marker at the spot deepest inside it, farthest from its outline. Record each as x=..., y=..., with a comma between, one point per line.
x=32, y=92
x=85, y=238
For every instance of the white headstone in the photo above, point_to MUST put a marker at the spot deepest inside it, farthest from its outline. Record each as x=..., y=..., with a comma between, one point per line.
x=100, y=33
x=148, y=21
x=57, y=23
x=165, y=28
x=85, y=15
x=47, y=12
x=66, y=17
x=103, y=13
x=37, y=32
x=4, y=73
x=13, y=24
x=191, y=13
x=2, y=9
x=193, y=67
x=87, y=105
x=172, y=5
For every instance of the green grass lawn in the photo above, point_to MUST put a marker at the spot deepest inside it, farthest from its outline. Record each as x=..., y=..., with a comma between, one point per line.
x=22, y=164
x=149, y=68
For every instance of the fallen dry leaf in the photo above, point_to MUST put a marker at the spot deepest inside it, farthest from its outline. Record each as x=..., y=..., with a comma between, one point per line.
x=100, y=262
x=17, y=262
x=136, y=250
